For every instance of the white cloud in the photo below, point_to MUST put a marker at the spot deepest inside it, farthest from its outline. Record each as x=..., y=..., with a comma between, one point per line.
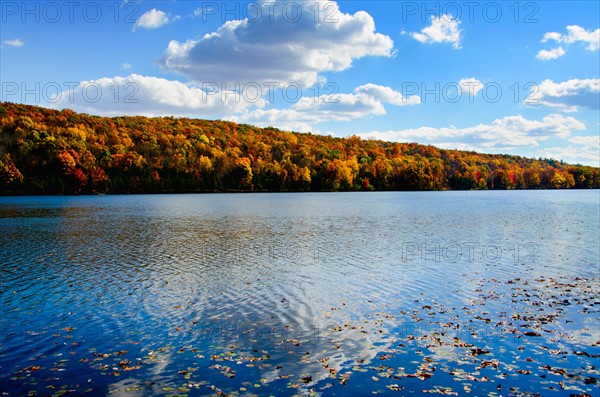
x=125, y=66
x=284, y=119
x=551, y=36
x=273, y=48
x=568, y=96
x=153, y=96
x=503, y=134
x=587, y=152
x=367, y=101
x=339, y=107
x=149, y=96
x=152, y=19
x=589, y=140
x=442, y=30
x=471, y=86
x=388, y=95
x=14, y=43
x=547, y=55
x=588, y=155
x=575, y=34
x=314, y=110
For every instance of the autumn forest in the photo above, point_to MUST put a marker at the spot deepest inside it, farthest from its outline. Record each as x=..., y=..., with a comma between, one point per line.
x=45, y=151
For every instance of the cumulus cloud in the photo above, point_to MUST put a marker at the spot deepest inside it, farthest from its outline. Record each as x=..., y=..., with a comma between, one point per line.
x=314, y=110
x=587, y=155
x=153, y=96
x=125, y=66
x=367, y=101
x=152, y=19
x=14, y=43
x=586, y=151
x=502, y=134
x=576, y=34
x=149, y=96
x=388, y=95
x=568, y=96
x=442, y=30
x=470, y=86
x=547, y=55
x=274, y=48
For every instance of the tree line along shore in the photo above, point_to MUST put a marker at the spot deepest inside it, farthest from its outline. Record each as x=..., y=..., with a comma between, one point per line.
x=46, y=151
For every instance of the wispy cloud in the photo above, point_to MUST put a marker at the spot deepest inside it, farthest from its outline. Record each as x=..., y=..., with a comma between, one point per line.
x=14, y=43
x=367, y=101
x=442, y=30
x=587, y=155
x=501, y=135
x=575, y=34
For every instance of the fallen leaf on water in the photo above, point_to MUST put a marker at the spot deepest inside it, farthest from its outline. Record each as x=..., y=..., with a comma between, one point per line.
x=395, y=387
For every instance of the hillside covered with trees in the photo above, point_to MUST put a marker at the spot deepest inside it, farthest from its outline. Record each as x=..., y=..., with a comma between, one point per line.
x=44, y=151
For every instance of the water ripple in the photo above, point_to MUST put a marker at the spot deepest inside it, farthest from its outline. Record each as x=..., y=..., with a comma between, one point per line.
x=319, y=284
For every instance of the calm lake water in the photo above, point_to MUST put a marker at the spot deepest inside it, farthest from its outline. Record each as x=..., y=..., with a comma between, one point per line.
x=474, y=293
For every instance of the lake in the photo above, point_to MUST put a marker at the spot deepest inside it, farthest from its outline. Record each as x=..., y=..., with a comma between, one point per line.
x=390, y=293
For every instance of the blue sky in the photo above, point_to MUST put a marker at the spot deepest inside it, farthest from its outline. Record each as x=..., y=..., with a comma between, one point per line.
x=497, y=77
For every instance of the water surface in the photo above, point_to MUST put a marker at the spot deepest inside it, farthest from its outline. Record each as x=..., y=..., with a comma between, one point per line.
x=309, y=294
